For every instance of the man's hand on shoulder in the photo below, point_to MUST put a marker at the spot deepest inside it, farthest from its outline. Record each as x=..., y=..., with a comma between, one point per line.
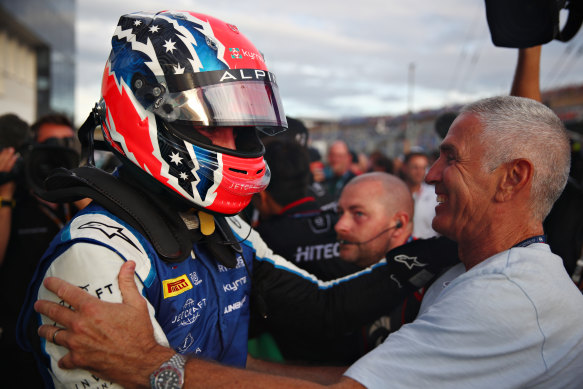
x=114, y=341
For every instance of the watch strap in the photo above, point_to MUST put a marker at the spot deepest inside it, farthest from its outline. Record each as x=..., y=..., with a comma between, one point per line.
x=176, y=362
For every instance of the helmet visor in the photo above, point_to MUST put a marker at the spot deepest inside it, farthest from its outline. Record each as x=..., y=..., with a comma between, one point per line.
x=238, y=102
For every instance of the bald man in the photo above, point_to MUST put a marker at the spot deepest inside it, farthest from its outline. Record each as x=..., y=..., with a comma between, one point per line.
x=375, y=213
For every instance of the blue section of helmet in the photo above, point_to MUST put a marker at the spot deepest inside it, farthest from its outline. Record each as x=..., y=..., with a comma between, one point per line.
x=208, y=164
x=125, y=61
x=204, y=47
x=174, y=50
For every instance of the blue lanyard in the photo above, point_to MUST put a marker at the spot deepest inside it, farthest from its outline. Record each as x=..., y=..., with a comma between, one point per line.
x=531, y=240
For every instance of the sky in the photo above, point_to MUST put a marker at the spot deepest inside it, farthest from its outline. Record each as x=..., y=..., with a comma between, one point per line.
x=336, y=59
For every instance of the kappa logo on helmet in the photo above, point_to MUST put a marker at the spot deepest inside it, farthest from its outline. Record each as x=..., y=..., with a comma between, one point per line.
x=410, y=262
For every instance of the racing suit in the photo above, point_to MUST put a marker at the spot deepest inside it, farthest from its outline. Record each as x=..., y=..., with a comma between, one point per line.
x=197, y=306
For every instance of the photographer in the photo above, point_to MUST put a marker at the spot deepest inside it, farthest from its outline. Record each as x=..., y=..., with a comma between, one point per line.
x=27, y=223
x=15, y=134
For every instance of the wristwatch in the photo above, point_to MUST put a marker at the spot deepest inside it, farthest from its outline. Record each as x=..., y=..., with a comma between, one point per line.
x=170, y=374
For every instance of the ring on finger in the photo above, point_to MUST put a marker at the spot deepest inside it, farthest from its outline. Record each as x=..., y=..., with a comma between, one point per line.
x=55, y=335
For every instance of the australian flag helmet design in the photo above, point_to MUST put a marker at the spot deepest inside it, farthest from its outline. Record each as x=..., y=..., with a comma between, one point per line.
x=172, y=73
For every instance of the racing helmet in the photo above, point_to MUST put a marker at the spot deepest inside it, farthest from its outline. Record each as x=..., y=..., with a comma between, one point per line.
x=173, y=77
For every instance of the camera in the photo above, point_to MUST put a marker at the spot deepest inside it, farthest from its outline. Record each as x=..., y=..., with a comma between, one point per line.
x=40, y=160
x=527, y=23
x=37, y=161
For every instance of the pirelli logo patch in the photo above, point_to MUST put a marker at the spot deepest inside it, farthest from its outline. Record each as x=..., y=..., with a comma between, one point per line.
x=175, y=286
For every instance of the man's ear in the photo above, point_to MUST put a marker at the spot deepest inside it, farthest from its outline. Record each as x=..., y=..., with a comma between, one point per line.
x=516, y=177
x=402, y=220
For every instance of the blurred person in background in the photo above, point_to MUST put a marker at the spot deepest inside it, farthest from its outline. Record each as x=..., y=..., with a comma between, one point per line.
x=14, y=136
x=29, y=224
x=415, y=165
x=379, y=162
x=337, y=172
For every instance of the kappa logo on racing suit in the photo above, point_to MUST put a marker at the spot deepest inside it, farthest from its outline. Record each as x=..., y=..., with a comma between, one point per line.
x=410, y=262
x=175, y=286
x=109, y=231
x=190, y=312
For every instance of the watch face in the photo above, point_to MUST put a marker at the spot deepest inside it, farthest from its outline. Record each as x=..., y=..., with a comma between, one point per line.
x=169, y=378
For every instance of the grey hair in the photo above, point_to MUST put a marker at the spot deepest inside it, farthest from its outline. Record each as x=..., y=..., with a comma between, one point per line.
x=517, y=127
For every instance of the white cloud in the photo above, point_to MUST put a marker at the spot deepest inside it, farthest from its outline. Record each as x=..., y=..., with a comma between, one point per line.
x=340, y=58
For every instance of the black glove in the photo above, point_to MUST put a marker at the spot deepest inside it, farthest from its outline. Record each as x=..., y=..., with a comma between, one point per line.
x=419, y=262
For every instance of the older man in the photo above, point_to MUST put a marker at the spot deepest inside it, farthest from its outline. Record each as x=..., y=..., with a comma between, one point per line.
x=499, y=319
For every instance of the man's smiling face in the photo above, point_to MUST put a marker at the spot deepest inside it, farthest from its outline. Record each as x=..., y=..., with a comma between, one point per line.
x=464, y=188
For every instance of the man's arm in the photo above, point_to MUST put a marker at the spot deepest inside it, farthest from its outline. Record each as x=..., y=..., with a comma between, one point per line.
x=202, y=374
x=100, y=340
x=291, y=299
x=325, y=375
x=294, y=300
x=526, y=82
x=102, y=336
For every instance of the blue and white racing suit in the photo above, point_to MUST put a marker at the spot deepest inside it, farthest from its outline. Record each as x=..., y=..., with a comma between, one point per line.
x=200, y=307
x=197, y=307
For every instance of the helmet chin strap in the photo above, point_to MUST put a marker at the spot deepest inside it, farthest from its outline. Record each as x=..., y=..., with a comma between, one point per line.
x=86, y=135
